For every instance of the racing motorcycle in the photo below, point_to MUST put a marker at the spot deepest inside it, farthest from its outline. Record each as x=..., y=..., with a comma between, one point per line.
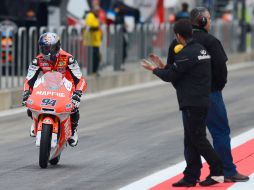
x=51, y=106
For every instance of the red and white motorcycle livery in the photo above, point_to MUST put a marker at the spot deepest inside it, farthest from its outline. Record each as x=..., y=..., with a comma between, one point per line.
x=50, y=103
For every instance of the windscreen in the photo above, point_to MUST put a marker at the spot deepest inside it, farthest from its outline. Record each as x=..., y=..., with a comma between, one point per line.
x=52, y=80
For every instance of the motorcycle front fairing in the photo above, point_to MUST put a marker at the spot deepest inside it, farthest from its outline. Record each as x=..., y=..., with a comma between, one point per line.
x=51, y=94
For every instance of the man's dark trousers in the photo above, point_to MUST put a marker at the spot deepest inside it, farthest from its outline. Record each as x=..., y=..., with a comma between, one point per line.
x=196, y=144
x=96, y=59
x=217, y=123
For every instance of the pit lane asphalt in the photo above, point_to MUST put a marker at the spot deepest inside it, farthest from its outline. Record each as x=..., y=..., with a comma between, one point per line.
x=123, y=137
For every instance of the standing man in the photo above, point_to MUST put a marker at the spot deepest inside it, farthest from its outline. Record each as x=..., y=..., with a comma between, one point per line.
x=191, y=76
x=93, y=37
x=217, y=120
x=184, y=13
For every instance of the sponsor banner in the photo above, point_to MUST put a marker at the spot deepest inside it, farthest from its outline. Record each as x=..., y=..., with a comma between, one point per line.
x=50, y=93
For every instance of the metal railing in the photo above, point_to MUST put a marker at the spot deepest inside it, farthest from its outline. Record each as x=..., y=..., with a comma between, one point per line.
x=21, y=48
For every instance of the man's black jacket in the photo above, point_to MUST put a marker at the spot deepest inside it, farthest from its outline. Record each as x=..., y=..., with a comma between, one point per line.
x=218, y=57
x=190, y=74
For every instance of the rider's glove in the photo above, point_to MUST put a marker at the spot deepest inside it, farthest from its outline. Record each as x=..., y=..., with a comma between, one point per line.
x=75, y=99
x=26, y=95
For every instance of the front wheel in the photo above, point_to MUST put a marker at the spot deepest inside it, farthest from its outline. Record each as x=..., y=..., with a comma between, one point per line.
x=45, y=145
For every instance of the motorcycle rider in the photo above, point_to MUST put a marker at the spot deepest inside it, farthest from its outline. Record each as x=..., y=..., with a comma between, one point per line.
x=53, y=58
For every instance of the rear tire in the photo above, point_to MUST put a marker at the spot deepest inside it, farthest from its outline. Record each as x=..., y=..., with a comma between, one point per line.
x=45, y=145
x=55, y=160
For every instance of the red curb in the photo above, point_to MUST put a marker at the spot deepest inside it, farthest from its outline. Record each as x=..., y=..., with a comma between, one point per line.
x=243, y=158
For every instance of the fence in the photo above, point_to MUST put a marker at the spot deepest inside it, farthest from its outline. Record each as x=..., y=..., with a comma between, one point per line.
x=17, y=50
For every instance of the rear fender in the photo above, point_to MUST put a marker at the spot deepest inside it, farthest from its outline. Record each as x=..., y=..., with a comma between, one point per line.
x=53, y=121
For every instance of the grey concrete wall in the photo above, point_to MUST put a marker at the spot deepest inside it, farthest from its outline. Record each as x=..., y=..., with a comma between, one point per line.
x=134, y=75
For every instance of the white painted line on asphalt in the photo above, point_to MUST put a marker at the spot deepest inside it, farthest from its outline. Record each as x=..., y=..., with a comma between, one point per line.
x=12, y=111
x=248, y=185
x=236, y=66
x=242, y=138
x=123, y=89
x=156, y=178
x=163, y=175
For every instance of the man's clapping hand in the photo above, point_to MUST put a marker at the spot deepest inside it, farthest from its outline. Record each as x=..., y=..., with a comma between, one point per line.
x=157, y=60
x=152, y=62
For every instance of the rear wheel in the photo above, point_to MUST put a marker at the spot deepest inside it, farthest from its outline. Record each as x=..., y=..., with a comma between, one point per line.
x=55, y=160
x=45, y=145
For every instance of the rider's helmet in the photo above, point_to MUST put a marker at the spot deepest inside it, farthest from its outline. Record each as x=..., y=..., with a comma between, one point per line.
x=49, y=45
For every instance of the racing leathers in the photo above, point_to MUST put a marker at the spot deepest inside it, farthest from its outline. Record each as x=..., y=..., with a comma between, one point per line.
x=64, y=64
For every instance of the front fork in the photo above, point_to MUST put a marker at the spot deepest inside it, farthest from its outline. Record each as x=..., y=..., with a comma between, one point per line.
x=53, y=122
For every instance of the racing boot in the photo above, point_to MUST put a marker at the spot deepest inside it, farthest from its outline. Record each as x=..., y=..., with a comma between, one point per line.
x=32, y=130
x=73, y=141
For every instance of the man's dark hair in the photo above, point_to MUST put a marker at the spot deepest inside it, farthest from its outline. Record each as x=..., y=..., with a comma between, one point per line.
x=183, y=27
x=196, y=13
x=185, y=7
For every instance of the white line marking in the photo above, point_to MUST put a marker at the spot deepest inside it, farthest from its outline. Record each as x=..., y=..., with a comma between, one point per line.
x=236, y=66
x=249, y=185
x=163, y=175
x=12, y=111
x=124, y=89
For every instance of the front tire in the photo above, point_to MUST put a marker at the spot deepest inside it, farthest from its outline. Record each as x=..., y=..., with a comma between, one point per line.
x=45, y=145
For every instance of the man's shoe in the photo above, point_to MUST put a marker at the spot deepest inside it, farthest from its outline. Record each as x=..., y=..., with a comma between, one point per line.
x=73, y=141
x=32, y=130
x=237, y=178
x=184, y=183
x=212, y=180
